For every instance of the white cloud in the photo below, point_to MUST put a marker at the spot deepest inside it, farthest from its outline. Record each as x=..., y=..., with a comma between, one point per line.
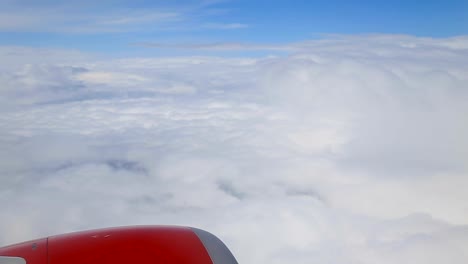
x=111, y=78
x=222, y=46
x=62, y=20
x=226, y=25
x=90, y=17
x=351, y=149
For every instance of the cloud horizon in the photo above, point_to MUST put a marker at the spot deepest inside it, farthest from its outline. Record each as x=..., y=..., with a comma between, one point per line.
x=347, y=149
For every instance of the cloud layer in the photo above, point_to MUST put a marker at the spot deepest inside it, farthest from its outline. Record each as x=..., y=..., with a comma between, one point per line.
x=350, y=149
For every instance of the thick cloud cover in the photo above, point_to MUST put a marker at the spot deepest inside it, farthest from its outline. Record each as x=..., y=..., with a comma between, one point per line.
x=347, y=150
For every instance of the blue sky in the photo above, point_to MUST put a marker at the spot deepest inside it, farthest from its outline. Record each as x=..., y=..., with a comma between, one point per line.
x=115, y=26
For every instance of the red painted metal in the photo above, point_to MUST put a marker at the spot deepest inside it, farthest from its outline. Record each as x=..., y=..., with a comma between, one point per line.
x=34, y=252
x=124, y=245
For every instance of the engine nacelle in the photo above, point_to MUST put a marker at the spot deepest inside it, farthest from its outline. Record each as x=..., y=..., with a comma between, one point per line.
x=123, y=245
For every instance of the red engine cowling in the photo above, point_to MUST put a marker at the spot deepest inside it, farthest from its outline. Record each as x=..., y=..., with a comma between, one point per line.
x=123, y=245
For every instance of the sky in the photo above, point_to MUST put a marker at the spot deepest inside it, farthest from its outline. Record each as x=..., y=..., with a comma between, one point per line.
x=298, y=131
x=116, y=26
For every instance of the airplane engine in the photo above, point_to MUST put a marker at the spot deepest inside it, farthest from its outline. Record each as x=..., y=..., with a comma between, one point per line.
x=123, y=245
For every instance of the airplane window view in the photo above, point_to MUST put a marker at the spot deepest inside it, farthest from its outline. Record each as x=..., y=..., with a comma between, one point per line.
x=233, y=131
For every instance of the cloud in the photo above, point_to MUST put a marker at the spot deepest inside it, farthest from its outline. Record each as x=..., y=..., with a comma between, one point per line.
x=61, y=20
x=349, y=149
x=226, y=26
x=220, y=46
x=339, y=45
x=111, y=78
x=89, y=17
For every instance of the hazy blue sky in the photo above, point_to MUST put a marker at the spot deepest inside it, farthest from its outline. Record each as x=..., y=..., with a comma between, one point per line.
x=117, y=25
